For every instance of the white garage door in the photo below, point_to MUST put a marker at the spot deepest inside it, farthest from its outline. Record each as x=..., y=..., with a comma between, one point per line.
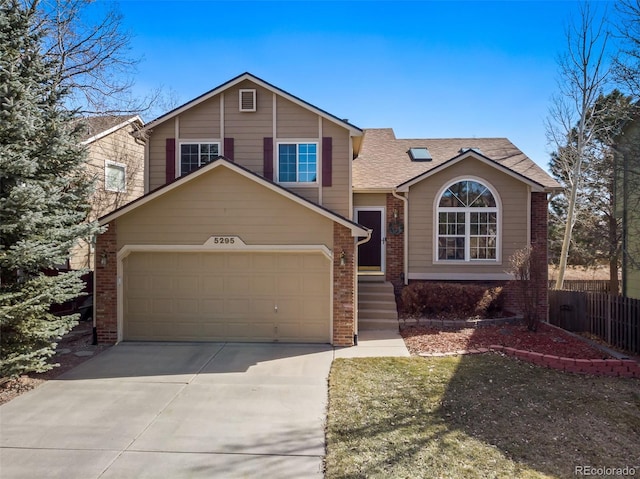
x=228, y=296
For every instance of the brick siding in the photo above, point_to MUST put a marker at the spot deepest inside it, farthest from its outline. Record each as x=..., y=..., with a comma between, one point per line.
x=395, y=243
x=344, y=283
x=106, y=300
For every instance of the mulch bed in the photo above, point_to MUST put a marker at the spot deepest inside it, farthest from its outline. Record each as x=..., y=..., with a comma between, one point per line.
x=547, y=340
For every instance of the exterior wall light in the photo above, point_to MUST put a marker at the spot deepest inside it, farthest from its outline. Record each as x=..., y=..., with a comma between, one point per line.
x=343, y=258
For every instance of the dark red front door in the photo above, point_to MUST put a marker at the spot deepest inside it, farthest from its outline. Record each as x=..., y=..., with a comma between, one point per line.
x=370, y=253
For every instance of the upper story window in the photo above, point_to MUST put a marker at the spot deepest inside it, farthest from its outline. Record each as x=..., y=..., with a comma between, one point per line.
x=195, y=155
x=467, y=223
x=297, y=162
x=115, y=176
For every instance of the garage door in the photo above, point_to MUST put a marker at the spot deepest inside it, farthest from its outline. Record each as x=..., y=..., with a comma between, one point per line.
x=227, y=297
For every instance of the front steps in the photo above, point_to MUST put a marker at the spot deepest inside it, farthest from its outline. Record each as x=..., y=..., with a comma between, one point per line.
x=377, y=308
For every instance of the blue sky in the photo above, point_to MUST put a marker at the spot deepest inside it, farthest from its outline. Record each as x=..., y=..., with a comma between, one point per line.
x=428, y=69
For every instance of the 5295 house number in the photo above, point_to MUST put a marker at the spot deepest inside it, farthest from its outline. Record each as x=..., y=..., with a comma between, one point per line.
x=223, y=240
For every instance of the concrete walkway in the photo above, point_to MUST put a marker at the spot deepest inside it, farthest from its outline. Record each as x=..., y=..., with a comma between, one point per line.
x=180, y=410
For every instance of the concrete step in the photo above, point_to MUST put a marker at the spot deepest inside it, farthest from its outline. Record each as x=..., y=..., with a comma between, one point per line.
x=375, y=288
x=367, y=296
x=378, y=324
x=381, y=305
x=377, y=314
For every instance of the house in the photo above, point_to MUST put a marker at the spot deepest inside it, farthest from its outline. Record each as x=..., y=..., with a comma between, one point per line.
x=262, y=213
x=627, y=161
x=115, y=163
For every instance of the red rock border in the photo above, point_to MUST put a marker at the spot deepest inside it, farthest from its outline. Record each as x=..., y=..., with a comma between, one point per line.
x=626, y=368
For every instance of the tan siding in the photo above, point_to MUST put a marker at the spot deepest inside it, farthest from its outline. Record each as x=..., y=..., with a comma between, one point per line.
x=248, y=128
x=336, y=197
x=513, y=195
x=202, y=121
x=119, y=147
x=157, y=153
x=294, y=121
x=223, y=203
x=369, y=199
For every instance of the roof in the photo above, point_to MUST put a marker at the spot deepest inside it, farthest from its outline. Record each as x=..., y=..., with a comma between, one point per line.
x=96, y=127
x=221, y=161
x=248, y=76
x=383, y=162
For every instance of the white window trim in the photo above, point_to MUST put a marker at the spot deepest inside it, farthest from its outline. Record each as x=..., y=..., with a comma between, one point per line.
x=497, y=209
x=109, y=163
x=189, y=141
x=298, y=184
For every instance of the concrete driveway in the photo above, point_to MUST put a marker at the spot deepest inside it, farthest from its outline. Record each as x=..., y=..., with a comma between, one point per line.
x=174, y=410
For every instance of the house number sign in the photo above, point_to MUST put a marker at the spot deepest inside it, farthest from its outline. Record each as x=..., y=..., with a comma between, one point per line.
x=225, y=241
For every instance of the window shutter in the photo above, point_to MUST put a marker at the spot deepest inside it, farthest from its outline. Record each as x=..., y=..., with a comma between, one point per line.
x=268, y=158
x=327, y=159
x=170, y=148
x=228, y=149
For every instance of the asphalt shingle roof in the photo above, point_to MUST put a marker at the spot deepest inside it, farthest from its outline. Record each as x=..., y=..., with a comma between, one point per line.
x=383, y=162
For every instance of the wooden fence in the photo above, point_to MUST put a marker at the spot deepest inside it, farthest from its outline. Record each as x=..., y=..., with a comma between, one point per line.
x=615, y=319
x=594, y=285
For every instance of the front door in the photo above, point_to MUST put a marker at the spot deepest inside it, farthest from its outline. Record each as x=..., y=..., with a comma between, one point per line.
x=370, y=254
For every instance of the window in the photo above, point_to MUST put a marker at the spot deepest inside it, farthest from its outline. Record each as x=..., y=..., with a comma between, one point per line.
x=419, y=154
x=467, y=223
x=297, y=162
x=195, y=155
x=115, y=176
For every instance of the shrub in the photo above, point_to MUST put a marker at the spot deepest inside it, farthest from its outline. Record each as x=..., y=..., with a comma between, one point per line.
x=451, y=300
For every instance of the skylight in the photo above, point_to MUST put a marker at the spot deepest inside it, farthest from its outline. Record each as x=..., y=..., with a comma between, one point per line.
x=419, y=154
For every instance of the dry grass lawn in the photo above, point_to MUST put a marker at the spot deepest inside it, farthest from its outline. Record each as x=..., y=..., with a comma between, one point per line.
x=480, y=416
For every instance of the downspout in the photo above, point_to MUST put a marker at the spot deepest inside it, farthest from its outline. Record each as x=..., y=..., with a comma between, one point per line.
x=405, y=252
x=358, y=243
x=94, y=332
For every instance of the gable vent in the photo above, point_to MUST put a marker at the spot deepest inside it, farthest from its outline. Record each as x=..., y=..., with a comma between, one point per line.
x=248, y=100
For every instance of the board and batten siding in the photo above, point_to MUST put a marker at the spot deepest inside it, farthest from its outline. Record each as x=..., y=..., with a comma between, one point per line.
x=223, y=202
x=157, y=153
x=219, y=117
x=513, y=196
x=202, y=122
x=248, y=129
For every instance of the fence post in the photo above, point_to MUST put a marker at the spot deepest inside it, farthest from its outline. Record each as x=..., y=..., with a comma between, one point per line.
x=609, y=298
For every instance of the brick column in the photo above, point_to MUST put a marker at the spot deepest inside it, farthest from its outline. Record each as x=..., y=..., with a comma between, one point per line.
x=106, y=300
x=344, y=283
x=539, y=243
x=395, y=242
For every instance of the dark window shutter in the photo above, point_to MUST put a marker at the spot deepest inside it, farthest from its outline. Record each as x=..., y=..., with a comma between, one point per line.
x=170, y=148
x=268, y=158
x=327, y=159
x=228, y=148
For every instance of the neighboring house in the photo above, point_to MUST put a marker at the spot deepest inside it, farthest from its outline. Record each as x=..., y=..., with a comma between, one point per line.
x=262, y=212
x=115, y=163
x=627, y=190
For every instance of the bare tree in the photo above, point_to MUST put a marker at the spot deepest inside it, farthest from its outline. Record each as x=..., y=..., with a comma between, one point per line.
x=88, y=42
x=571, y=126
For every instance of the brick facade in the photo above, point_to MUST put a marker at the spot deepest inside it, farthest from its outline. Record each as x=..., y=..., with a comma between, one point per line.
x=344, y=284
x=539, y=244
x=395, y=242
x=106, y=300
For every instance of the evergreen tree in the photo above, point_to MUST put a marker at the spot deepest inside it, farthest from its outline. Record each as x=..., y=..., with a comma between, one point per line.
x=43, y=196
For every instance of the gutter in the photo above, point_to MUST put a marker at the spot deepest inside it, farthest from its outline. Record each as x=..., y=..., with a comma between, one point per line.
x=405, y=252
x=358, y=243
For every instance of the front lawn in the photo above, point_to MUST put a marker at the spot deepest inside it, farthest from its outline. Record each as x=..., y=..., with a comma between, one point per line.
x=475, y=416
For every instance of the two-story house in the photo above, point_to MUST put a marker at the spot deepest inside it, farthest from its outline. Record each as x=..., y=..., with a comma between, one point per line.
x=262, y=212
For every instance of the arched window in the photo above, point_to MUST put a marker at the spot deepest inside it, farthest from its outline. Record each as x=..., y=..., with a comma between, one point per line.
x=467, y=216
